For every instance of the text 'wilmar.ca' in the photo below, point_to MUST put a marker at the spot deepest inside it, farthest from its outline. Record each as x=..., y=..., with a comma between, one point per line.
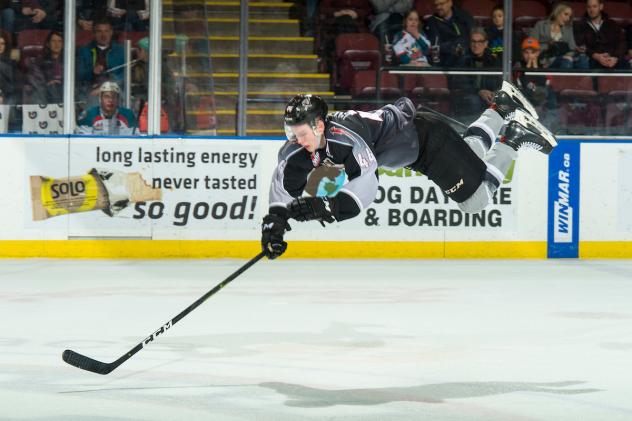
x=109, y=191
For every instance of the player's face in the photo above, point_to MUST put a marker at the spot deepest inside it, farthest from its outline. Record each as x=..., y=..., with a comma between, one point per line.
x=306, y=137
x=109, y=102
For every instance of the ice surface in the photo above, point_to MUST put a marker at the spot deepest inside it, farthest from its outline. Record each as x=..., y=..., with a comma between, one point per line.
x=319, y=340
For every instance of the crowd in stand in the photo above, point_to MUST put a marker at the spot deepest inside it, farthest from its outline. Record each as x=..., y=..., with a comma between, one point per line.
x=32, y=57
x=444, y=34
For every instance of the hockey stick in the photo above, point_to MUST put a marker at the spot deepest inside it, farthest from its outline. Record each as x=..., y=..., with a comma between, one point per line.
x=87, y=363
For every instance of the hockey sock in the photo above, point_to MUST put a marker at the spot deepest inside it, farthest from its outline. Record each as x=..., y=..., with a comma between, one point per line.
x=482, y=133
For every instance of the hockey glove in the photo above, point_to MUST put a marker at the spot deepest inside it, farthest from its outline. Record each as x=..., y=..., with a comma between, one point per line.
x=310, y=208
x=272, y=231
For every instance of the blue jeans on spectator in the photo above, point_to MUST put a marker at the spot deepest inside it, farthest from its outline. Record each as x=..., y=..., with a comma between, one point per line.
x=8, y=20
x=578, y=62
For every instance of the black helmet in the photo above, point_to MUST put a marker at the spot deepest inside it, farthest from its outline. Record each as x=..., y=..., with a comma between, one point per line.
x=305, y=108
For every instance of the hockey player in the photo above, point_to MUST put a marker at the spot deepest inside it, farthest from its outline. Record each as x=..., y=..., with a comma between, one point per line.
x=468, y=169
x=107, y=118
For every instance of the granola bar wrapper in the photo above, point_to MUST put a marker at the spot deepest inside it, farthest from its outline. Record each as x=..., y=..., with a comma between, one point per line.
x=109, y=191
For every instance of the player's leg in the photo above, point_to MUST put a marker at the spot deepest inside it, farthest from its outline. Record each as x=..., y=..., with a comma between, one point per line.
x=522, y=131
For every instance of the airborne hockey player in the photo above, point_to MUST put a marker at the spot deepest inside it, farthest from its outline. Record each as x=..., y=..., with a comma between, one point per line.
x=468, y=169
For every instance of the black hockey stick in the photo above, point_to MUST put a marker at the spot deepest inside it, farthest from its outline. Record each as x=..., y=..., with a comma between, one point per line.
x=87, y=363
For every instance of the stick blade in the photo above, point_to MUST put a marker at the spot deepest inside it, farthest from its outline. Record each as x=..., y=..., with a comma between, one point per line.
x=86, y=363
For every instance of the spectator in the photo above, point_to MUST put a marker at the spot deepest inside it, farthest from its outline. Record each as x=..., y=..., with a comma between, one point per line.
x=600, y=36
x=410, y=46
x=556, y=39
x=449, y=28
x=87, y=11
x=496, y=30
x=537, y=88
x=140, y=87
x=311, y=7
x=40, y=14
x=125, y=15
x=100, y=60
x=387, y=18
x=474, y=93
x=341, y=21
x=107, y=118
x=46, y=73
x=7, y=16
x=8, y=70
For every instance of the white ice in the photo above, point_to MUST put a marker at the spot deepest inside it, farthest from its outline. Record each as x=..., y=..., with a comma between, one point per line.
x=319, y=340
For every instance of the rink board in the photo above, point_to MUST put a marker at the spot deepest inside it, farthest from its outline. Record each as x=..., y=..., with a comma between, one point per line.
x=214, y=194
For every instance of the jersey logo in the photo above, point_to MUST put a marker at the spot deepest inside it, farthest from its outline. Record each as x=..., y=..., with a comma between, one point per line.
x=454, y=188
x=336, y=130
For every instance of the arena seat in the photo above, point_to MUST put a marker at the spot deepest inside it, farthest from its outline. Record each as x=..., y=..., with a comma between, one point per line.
x=527, y=12
x=616, y=94
x=424, y=8
x=430, y=90
x=354, y=52
x=620, y=12
x=364, y=87
x=30, y=42
x=83, y=37
x=481, y=10
x=579, y=104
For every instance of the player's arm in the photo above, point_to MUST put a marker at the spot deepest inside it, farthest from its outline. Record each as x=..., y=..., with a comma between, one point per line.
x=358, y=193
x=288, y=182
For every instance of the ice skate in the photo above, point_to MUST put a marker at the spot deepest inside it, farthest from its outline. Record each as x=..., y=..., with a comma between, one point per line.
x=509, y=99
x=524, y=131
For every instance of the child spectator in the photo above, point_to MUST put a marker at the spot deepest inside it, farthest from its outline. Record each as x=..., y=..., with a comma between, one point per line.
x=46, y=73
x=495, y=30
x=410, y=46
x=537, y=88
x=557, y=41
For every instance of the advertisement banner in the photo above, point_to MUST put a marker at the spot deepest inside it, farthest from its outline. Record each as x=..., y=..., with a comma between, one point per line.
x=149, y=188
x=563, y=215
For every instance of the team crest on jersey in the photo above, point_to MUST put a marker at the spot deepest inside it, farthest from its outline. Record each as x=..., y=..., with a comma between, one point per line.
x=316, y=159
x=336, y=130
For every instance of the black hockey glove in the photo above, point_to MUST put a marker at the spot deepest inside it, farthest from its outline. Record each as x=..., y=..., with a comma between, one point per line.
x=272, y=230
x=310, y=208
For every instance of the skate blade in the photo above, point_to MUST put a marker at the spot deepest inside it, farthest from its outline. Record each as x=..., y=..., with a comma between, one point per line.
x=534, y=125
x=514, y=92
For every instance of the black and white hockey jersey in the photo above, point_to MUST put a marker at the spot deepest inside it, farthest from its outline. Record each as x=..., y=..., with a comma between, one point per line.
x=359, y=141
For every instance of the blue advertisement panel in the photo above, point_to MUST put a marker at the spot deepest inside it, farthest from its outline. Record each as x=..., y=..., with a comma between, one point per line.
x=563, y=207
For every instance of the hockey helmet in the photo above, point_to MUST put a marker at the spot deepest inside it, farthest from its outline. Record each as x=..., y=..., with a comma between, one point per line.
x=109, y=87
x=303, y=109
